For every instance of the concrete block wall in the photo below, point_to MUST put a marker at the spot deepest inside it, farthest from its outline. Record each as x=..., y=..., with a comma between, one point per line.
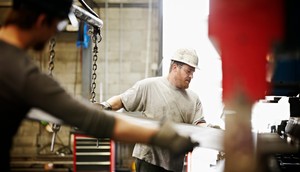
x=128, y=39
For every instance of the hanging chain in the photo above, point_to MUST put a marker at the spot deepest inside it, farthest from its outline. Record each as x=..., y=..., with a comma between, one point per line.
x=55, y=127
x=96, y=31
x=51, y=56
x=95, y=34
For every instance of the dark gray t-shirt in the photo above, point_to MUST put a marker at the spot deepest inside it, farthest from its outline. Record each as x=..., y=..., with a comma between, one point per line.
x=158, y=99
x=23, y=86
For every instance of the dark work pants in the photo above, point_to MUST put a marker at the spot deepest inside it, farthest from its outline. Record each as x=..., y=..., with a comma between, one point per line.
x=143, y=166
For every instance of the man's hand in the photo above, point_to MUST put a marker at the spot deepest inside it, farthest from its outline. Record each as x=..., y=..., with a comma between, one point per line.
x=168, y=138
x=103, y=105
x=214, y=126
x=209, y=125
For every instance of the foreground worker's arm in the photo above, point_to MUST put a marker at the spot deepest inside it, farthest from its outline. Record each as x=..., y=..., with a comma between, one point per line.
x=164, y=136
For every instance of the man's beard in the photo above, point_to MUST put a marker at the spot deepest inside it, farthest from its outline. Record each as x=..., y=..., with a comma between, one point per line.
x=39, y=46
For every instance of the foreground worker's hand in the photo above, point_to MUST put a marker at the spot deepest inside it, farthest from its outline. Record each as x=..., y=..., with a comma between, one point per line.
x=168, y=138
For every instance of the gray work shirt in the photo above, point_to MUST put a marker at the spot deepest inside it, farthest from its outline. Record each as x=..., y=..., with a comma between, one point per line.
x=158, y=99
x=23, y=86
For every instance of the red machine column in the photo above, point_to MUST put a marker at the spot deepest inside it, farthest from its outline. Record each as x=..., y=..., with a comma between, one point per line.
x=244, y=32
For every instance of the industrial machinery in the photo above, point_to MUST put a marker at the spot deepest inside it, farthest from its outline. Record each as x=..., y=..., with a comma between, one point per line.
x=246, y=32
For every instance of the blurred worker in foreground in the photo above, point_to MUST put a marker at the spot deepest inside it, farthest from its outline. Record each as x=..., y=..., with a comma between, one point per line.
x=163, y=98
x=29, y=25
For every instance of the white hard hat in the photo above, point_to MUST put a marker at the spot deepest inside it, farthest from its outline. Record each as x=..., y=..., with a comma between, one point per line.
x=187, y=56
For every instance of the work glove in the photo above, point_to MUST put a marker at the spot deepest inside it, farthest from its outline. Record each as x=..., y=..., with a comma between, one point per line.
x=168, y=138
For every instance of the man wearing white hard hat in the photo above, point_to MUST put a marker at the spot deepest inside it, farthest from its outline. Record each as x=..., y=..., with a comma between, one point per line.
x=163, y=98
